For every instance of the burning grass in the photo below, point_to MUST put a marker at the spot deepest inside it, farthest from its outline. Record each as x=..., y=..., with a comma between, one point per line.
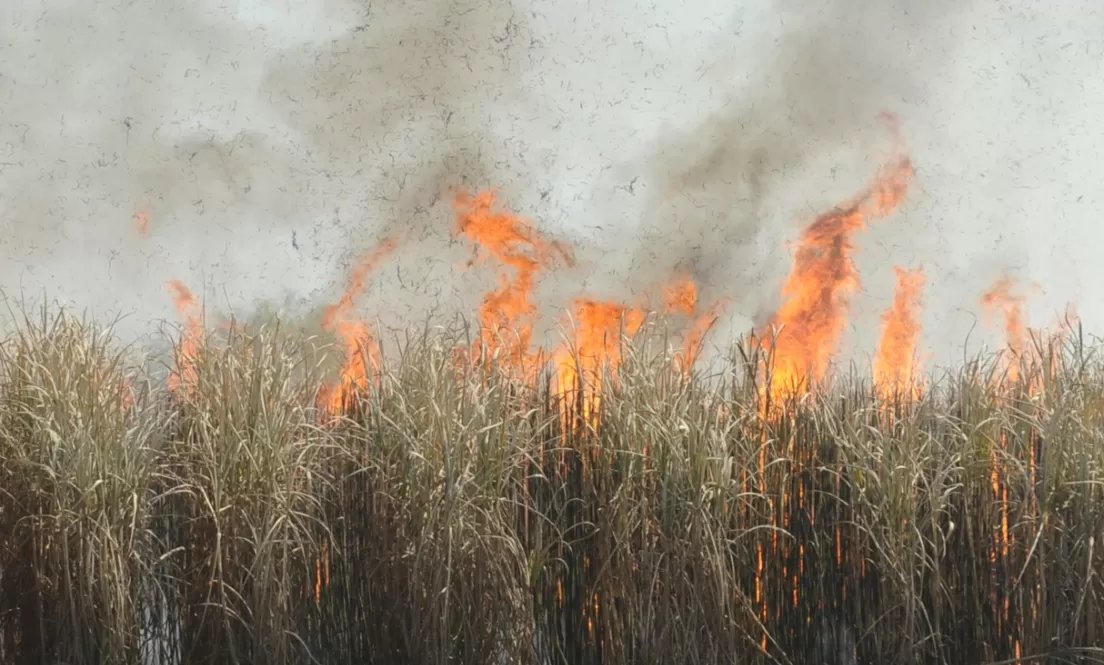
x=457, y=511
x=471, y=497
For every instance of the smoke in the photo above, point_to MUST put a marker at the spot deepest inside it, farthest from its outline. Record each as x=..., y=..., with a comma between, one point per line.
x=390, y=112
x=797, y=132
x=271, y=144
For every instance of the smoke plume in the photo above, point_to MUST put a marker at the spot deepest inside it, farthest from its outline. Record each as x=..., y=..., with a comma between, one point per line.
x=256, y=151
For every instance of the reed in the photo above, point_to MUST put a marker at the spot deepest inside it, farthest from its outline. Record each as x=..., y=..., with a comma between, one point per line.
x=458, y=511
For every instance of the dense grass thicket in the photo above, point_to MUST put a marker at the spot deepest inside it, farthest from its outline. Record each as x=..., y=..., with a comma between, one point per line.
x=455, y=514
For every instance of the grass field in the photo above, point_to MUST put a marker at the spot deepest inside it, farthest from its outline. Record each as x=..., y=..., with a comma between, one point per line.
x=455, y=513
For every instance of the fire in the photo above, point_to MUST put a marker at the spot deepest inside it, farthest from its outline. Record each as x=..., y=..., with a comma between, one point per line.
x=143, y=221
x=507, y=313
x=128, y=394
x=361, y=348
x=185, y=376
x=1002, y=299
x=809, y=323
x=695, y=337
x=681, y=297
x=598, y=332
x=599, y=327
x=817, y=293
x=895, y=367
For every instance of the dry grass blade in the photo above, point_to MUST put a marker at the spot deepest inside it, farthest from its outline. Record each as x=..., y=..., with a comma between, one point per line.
x=461, y=511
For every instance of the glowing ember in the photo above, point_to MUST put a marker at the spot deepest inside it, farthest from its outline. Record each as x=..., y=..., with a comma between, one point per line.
x=361, y=349
x=895, y=367
x=817, y=293
x=507, y=313
x=185, y=376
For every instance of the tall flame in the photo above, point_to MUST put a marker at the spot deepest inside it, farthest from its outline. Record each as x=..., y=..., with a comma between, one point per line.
x=817, y=293
x=599, y=327
x=361, y=347
x=1002, y=299
x=185, y=376
x=507, y=313
x=895, y=366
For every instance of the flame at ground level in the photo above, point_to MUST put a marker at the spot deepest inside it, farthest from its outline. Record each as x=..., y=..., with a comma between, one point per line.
x=183, y=379
x=1003, y=299
x=599, y=330
x=808, y=325
x=507, y=313
x=895, y=367
x=362, y=352
x=817, y=294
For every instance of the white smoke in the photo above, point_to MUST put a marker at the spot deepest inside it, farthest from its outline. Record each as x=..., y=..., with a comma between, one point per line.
x=272, y=143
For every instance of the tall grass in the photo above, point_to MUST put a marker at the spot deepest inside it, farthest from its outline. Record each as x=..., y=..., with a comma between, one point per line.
x=454, y=513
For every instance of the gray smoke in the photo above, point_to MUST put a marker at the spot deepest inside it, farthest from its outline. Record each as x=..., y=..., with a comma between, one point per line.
x=799, y=124
x=273, y=143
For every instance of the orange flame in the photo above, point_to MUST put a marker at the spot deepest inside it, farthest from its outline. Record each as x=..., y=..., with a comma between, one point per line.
x=817, y=293
x=185, y=376
x=695, y=337
x=895, y=367
x=1001, y=299
x=597, y=348
x=681, y=297
x=507, y=313
x=128, y=394
x=143, y=221
x=361, y=348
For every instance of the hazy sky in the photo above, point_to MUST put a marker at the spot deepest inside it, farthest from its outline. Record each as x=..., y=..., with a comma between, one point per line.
x=653, y=136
